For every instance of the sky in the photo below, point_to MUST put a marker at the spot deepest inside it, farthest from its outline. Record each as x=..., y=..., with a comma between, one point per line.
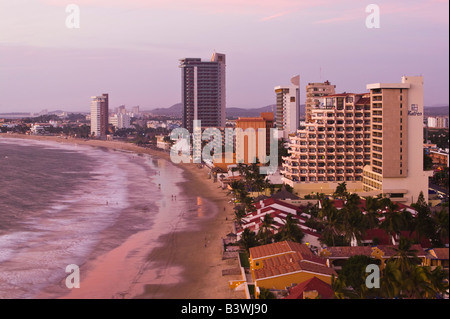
x=131, y=49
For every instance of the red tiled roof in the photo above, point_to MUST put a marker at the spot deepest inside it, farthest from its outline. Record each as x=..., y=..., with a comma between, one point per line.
x=339, y=94
x=383, y=237
x=389, y=251
x=363, y=101
x=325, y=291
x=349, y=251
x=424, y=242
x=279, y=248
x=288, y=263
x=441, y=253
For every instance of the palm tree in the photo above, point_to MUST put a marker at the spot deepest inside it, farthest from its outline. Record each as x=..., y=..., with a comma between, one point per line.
x=405, y=258
x=341, y=191
x=424, y=223
x=393, y=221
x=339, y=286
x=415, y=284
x=265, y=232
x=239, y=213
x=353, y=219
x=332, y=222
x=290, y=231
x=391, y=281
x=372, y=209
x=438, y=282
x=248, y=239
x=441, y=221
x=266, y=294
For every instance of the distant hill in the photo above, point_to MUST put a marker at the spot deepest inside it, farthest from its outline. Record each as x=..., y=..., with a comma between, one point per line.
x=174, y=110
x=232, y=112
x=435, y=110
x=235, y=112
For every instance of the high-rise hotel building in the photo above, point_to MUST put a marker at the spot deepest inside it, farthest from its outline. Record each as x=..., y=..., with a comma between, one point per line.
x=396, y=167
x=314, y=91
x=371, y=141
x=99, y=115
x=335, y=145
x=203, y=91
x=288, y=107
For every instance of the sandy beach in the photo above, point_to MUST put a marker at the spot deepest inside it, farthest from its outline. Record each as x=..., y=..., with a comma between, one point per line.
x=192, y=258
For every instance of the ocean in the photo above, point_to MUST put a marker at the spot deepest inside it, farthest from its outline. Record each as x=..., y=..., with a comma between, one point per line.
x=63, y=204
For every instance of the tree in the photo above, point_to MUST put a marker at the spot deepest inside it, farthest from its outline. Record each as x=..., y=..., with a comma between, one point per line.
x=391, y=281
x=354, y=273
x=415, y=283
x=265, y=232
x=248, y=239
x=427, y=161
x=438, y=281
x=393, y=221
x=290, y=231
x=341, y=191
x=239, y=213
x=424, y=223
x=265, y=293
x=372, y=208
x=405, y=258
x=441, y=220
x=332, y=223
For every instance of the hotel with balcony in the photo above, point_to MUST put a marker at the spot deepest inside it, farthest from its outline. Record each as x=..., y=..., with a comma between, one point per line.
x=314, y=91
x=333, y=148
x=371, y=141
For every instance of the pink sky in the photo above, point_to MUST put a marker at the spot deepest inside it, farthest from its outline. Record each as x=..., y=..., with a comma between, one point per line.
x=130, y=49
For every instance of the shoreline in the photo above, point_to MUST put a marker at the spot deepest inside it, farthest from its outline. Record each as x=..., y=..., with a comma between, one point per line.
x=201, y=265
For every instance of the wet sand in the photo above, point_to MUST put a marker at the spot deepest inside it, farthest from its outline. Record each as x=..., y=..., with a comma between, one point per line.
x=189, y=261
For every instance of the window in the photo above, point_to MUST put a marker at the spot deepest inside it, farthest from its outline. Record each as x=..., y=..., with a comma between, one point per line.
x=292, y=98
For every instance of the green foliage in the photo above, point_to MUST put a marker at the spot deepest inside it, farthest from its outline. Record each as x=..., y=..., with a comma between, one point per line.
x=266, y=294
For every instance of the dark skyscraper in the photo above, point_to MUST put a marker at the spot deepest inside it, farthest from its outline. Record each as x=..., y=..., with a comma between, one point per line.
x=203, y=91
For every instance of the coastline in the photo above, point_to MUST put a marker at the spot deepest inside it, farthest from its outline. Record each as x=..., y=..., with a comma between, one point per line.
x=200, y=266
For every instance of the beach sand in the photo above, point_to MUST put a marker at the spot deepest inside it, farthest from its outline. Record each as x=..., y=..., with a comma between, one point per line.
x=191, y=260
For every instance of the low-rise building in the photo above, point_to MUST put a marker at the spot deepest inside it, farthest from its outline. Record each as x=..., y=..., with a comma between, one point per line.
x=283, y=264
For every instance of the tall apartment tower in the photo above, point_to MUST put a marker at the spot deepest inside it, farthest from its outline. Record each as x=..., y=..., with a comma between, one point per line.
x=333, y=147
x=99, y=115
x=203, y=91
x=396, y=168
x=313, y=92
x=288, y=107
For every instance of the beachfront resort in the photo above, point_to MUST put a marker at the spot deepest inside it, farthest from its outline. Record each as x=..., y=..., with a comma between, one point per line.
x=351, y=190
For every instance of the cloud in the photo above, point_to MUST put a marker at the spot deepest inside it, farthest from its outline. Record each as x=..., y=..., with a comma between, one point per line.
x=274, y=16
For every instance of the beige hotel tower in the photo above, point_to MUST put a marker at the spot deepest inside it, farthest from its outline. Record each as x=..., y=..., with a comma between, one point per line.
x=396, y=168
x=372, y=141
